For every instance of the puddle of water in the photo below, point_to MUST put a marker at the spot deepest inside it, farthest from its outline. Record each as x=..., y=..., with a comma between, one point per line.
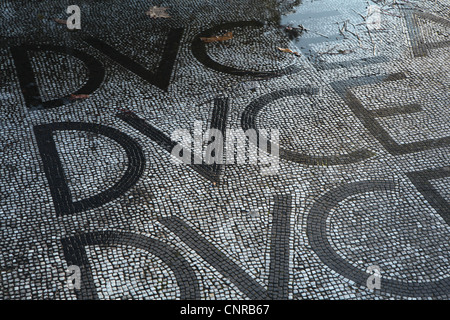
x=317, y=21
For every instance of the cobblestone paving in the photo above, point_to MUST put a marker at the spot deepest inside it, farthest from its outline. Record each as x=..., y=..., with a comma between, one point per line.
x=364, y=170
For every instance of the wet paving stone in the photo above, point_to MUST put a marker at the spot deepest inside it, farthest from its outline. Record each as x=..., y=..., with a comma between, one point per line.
x=357, y=179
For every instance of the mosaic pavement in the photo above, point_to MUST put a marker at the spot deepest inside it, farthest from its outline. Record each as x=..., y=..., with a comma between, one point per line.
x=364, y=169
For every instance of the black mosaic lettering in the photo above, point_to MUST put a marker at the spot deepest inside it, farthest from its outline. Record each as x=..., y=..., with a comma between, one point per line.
x=218, y=121
x=419, y=46
x=29, y=87
x=54, y=172
x=199, y=51
x=421, y=180
x=279, y=256
x=248, y=121
x=160, y=78
x=75, y=254
x=368, y=117
x=317, y=236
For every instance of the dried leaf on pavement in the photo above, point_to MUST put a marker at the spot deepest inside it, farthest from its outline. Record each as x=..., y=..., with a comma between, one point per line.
x=79, y=96
x=288, y=51
x=225, y=37
x=60, y=21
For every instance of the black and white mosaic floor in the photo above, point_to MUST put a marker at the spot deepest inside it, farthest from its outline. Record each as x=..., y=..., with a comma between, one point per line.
x=87, y=178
